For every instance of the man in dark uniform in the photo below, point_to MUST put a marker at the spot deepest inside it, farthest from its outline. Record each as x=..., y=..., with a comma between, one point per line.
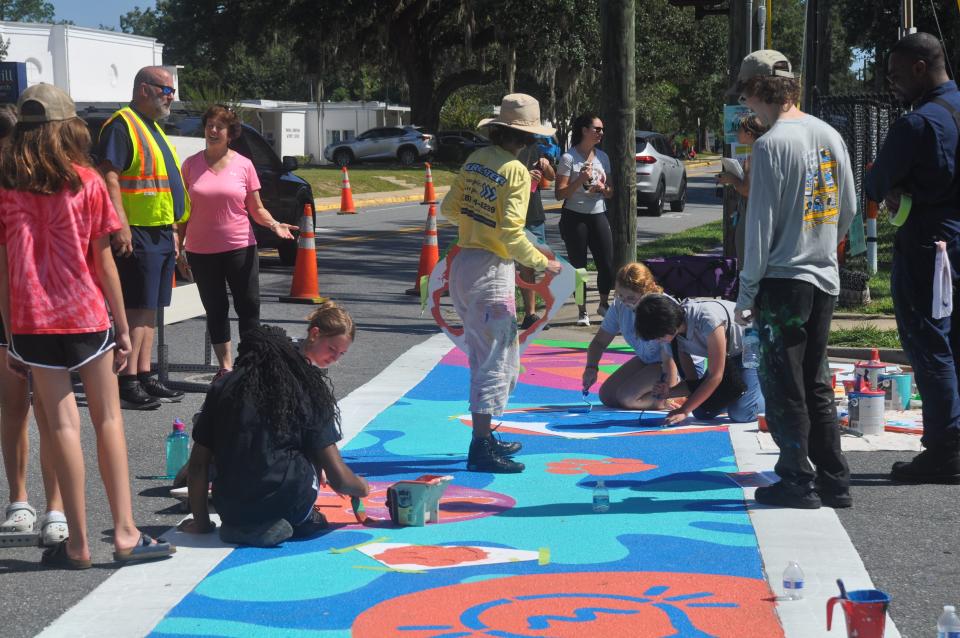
x=919, y=158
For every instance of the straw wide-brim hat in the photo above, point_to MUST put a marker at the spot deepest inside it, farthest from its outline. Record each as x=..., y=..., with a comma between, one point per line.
x=519, y=111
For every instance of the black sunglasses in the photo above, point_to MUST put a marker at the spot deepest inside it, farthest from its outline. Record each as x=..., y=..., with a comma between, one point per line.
x=164, y=89
x=598, y=129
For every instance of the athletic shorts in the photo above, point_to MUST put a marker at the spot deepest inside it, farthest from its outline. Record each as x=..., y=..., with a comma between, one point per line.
x=539, y=231
x=61, y=352
x=146, y=276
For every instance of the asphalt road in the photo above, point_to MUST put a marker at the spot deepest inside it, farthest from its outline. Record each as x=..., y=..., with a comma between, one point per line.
x=907, y=536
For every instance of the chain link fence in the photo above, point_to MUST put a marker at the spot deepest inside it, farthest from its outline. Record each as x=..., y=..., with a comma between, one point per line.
x=863, y=121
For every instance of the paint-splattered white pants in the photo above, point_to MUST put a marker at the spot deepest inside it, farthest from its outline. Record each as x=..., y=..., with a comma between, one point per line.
x=482, y=290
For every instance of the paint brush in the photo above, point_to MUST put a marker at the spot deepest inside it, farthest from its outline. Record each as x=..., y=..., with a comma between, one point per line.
x=663, y=377
x=843, y=590
x=583, y=410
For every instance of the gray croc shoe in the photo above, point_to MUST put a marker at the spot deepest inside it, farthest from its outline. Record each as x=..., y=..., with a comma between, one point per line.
x=53, y=528
x=19, y=517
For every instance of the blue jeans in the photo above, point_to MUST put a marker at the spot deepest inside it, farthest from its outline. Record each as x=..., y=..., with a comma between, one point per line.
x=748, y=406
x=932, y=345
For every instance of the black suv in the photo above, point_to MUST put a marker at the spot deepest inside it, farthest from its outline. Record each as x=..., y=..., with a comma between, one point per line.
x=283, y=193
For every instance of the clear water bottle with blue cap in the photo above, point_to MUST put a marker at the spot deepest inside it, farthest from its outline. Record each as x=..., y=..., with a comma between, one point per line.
x=948, y=626
x=793, y=581
x=751, y=348
x=178, y=448
x=601, y=497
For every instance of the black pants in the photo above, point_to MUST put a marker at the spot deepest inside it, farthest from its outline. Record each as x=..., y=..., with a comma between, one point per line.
x=213, y=272
x=581, y=231
x=794, y=324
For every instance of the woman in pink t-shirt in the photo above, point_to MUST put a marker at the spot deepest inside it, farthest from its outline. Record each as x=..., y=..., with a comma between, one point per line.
x=220, y=248
x=58, y=289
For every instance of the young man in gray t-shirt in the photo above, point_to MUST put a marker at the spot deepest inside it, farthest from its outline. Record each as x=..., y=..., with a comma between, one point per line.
x=802, y=200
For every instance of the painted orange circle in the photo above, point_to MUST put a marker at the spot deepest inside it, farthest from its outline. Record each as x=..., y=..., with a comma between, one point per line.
x=579, y=605
x=431, y=555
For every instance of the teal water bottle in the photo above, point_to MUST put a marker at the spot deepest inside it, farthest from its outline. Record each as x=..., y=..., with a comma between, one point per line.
x=178, y=448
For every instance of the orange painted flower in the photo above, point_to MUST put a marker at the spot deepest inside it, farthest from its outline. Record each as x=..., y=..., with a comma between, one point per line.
x=599, y=467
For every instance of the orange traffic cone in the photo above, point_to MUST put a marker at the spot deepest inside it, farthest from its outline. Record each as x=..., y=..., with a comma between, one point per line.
x=304, y=287
x=346, y=195
x=430, y=251
x=429, y=195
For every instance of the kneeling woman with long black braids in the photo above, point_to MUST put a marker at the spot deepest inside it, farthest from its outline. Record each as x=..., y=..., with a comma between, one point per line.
x=271, y=426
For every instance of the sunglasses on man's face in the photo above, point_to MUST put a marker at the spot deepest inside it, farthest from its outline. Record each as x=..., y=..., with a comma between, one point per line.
x=164, y=89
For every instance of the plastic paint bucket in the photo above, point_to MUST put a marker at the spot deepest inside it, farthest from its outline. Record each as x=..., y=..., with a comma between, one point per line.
x=896, y=389
x=866, y=411
x=869, y=371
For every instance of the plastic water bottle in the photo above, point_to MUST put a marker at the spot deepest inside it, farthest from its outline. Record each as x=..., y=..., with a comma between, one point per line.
x=751, y=348
x=601, y=497
x=948, y=626
x=178, y=448
x=793, y=581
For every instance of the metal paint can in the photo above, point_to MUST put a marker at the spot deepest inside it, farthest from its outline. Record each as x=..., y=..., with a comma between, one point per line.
x=865, y=409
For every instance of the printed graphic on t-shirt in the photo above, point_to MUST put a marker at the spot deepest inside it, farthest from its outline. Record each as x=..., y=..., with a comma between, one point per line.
x=480, y=193
x=820, y=194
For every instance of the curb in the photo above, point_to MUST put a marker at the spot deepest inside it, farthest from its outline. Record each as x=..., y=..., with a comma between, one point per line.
x=375, y=201
x=853, y=316
x=887, y=355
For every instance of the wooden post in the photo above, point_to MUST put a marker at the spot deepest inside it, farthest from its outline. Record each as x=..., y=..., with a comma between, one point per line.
x=618, y=32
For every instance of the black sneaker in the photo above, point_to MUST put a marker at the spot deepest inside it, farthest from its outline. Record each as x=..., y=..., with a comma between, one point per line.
x=528, y=321
x=160, y=392
x=484, y=458
x=930, y=466
x=312, y=526
x=837, y=499
x=134, y=397
x=266, y=534
x=505, y=448
x=782, y=494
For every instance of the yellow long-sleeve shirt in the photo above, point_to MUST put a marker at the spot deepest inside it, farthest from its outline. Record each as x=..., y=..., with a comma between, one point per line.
x=488, y=201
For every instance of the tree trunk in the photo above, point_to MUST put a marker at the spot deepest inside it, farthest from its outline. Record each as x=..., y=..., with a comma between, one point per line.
x=618, y=27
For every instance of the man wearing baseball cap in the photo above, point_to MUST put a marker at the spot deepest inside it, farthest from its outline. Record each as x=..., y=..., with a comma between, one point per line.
x=802, y=201
x=488, y=202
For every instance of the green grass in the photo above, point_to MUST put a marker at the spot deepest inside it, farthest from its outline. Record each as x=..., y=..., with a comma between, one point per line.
x=326, y=181
x=864, y=336
x=699, y=239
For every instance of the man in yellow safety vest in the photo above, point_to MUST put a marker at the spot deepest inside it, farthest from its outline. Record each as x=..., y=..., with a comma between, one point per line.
x=142, y=172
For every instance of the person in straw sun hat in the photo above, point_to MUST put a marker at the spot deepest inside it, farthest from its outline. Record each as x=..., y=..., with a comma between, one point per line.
x=488, y=202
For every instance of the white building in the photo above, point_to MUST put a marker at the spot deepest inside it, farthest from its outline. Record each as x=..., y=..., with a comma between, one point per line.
x=89, y=64
x=305, y=128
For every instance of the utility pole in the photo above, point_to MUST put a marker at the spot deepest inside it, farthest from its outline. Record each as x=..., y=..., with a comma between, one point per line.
x=737, y=49
x=618, y=35
x=906, y=19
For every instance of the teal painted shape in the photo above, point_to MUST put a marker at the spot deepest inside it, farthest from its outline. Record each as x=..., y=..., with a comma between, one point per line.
x=233, y=629
x=305, y=576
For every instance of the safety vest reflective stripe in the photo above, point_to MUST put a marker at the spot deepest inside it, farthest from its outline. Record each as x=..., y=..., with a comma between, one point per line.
x=138, y=183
